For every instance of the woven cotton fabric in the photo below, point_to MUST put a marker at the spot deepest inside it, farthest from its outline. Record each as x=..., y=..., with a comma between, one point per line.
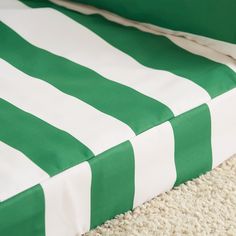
x=98, y=117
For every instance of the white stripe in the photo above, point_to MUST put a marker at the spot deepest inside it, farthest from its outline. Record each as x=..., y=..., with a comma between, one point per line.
x=84, y=122
x=67, y=202
x=154, y=162
x=209, y=48
x=17, y=172
x=204, y=51
x=221, y=47
x=223, y=123
x=12, y=4
x=41, y=28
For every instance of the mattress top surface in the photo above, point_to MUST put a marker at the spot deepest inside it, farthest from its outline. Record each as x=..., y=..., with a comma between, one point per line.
x=73, y=86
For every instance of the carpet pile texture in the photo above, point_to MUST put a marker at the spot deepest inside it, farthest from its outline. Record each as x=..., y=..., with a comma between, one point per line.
x=204, y=206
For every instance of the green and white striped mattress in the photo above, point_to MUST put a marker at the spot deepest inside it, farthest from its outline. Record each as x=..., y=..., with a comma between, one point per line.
x=100, y=115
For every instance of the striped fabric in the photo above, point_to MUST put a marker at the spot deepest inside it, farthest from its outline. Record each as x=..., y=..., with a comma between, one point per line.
x=209, y=22
x=215, y=19
x=98, y=117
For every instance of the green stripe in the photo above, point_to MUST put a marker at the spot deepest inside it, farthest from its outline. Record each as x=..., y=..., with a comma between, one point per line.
x=107, y=96
x=112, y=190
x=50, y=148
x=156, y=52
x=193, y=154
x=23, y=215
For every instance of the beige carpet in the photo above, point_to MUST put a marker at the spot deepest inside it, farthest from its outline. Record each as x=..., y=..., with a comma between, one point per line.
x=205, y=206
